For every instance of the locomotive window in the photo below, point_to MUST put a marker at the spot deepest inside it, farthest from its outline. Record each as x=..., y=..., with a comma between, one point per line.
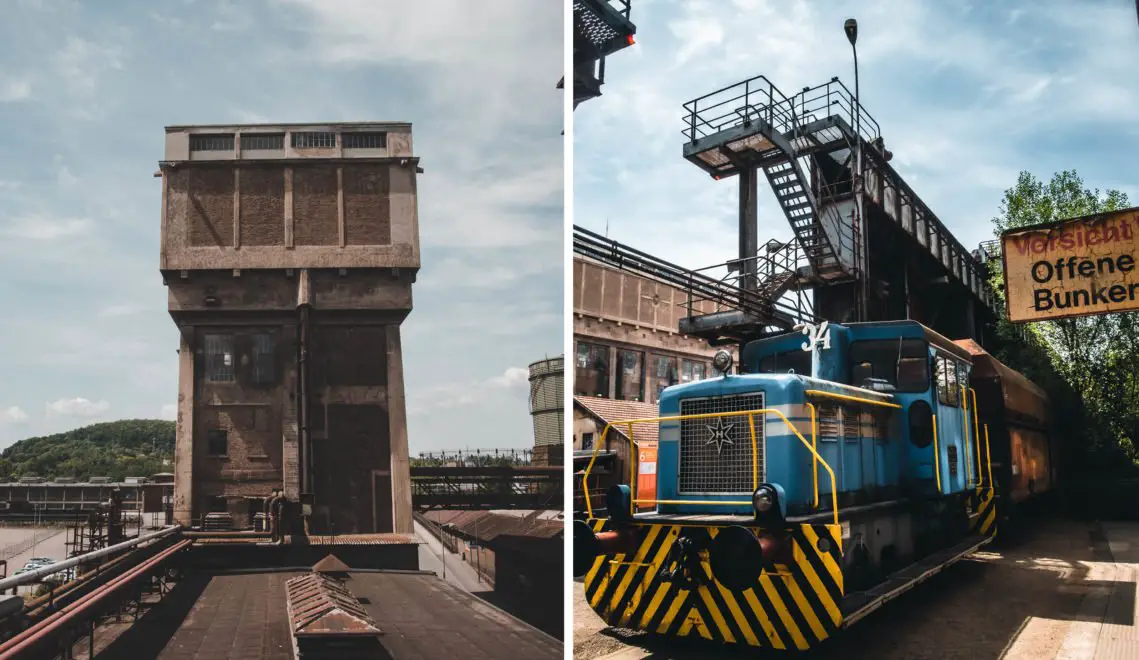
x=947, y=393
x=900, y=362
x=796, y=360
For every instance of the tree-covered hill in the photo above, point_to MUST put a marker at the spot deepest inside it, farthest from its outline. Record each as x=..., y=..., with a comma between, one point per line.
x=129, y=447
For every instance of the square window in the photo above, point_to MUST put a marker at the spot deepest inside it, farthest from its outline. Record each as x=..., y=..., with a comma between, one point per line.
x=219, y=358
x=264, y=346
x=217, y=441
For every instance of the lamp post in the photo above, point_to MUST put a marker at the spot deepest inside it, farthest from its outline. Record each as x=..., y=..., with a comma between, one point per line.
x=851, y=29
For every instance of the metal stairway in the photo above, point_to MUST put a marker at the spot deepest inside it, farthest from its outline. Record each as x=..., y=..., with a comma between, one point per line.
x=801, y=209
x=753, y=125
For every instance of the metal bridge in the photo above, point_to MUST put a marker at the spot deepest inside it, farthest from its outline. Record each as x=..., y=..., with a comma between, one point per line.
x=836, y=187
x=515, y=487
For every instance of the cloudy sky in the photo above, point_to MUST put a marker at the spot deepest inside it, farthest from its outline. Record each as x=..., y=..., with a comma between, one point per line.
x=966, y=94
x=85, y=91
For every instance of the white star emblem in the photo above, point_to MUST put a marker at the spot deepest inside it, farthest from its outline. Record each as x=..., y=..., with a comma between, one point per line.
x=718, y=434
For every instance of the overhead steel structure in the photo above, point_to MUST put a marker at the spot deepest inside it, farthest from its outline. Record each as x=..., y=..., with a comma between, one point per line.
x=600, y=28
x=806, y=146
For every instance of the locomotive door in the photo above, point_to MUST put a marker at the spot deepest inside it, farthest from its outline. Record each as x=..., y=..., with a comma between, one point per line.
x=950, y=422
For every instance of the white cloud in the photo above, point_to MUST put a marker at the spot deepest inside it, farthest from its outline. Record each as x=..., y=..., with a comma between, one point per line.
x=81, y=63
x=13, y=415
x=44, y=228
x=77, y=407
x=15, y=90
x=169, y=411
x=512, y=377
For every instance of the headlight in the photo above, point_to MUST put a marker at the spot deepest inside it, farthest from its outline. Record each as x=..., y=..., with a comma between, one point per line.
x=722, y=361
x=763, y=499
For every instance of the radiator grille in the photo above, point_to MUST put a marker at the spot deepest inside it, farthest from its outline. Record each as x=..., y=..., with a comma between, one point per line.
x=715, y=453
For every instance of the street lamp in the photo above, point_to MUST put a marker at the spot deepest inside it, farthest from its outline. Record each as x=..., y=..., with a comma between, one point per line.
x=851, y=29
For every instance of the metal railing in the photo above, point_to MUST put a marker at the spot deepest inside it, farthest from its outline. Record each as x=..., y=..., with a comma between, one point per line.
x=759, y=98
x=750, y=414
x=35, y=575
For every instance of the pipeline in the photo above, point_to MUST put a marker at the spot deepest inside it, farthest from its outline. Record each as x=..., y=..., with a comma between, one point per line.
x=34, y=576
x=27, y=640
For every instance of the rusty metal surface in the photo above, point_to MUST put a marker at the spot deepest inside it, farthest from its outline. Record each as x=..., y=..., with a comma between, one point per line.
x=319, y=605
x=227, y=617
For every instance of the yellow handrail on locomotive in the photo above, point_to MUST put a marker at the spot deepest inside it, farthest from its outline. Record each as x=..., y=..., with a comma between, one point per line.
x=856, y=399
x=814, y=431
x=936, y=456
x=977, y=438
x=633, y=501
x=988, y=457
x=814, y=459
x=965, y=430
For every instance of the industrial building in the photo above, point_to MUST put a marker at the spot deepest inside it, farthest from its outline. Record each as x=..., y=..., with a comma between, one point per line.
x=289, y=252
x=626, y=343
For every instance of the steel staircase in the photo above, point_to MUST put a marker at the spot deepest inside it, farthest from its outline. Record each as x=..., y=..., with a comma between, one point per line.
x=801, y=209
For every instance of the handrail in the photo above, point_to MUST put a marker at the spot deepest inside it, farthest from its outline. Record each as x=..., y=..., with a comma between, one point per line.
x=814, y=441
x=856, y=399
x=965, y=430
x=977, y=437
x=936, y=456
x=633, y=501
x=35, y=575
x=988, y=457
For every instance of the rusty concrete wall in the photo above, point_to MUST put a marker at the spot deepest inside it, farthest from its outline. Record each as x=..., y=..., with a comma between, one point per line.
x=339, y=214
x=357, y=417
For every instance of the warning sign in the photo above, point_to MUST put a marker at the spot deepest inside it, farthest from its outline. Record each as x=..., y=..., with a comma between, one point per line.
x=1076, y=267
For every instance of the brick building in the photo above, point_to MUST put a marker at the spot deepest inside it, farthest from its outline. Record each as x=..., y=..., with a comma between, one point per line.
x=626, y=344
x=289, y=252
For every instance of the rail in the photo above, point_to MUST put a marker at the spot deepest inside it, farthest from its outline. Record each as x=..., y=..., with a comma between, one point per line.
x=969, y=483
x=634, y=501
x=855, y=399
x=977, y=437
x=936, y=456
x=35, y=575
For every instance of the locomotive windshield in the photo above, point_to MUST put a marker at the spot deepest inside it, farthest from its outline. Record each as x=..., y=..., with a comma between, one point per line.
x=796, y=360
x=903, y=363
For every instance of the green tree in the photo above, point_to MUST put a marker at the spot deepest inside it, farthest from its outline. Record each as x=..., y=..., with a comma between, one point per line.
x=1089, y=365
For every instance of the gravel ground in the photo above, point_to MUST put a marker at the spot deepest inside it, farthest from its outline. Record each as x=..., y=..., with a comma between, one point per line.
x=1041, y=596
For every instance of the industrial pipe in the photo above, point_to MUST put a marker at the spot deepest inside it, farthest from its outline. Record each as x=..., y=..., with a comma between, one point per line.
x=35, y=575
x=26, y=640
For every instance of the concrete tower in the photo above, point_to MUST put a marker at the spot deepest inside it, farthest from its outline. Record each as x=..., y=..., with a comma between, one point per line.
x=289, y=252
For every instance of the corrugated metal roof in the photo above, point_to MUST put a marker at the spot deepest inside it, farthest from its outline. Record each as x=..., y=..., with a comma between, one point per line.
x=612, y=410
x=320, y=605
x=486, y=525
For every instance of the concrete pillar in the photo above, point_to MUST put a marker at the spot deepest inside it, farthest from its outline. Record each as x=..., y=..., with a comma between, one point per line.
x=397, y=425
x=290, y=433
x=184, y=435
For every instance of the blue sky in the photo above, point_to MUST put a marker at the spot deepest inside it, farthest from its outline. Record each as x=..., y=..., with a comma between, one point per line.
x=967, y=95
x=85, y=91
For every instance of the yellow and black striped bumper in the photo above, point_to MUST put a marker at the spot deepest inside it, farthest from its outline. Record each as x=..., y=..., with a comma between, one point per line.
x=796, y=606
x=985, y=522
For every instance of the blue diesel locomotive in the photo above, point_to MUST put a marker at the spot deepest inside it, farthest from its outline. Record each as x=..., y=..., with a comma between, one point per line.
x=843, y=465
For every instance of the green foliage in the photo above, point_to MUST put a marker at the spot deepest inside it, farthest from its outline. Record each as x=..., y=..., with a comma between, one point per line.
x=131, y=447
x=1088, y=365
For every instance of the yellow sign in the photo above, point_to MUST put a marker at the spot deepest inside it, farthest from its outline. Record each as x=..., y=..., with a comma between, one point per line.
x=1077, y=267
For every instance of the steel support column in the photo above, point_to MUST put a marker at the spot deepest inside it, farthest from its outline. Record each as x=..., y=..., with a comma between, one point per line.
x=749, y=227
